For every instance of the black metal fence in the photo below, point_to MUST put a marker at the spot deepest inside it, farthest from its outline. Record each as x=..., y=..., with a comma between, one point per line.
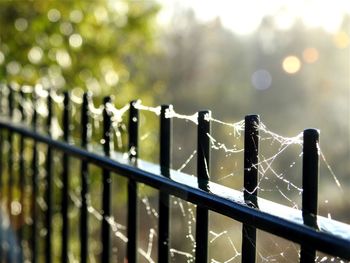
x=304, y=227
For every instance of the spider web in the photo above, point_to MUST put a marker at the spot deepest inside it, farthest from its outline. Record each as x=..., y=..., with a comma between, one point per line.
x=277, y=181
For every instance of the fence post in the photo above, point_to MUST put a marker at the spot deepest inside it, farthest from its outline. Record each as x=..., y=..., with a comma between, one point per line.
x=132, y=185
x=10, y=174
x=310, y=188
x=85, y=133
x=1, y=153
x=1, y=168
x=165, y=165
x=203, y=171
x=34, y=183
x=48, y=223
x=106, y=193
x=21, y=171
x=251, y=151
x=65, y=181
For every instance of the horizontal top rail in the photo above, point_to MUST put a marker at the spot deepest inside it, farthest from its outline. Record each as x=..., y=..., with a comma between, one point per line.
x=332, y=237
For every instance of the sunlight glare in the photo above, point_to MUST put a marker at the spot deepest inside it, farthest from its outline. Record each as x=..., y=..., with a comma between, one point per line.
x=245, y=17
x=325, y=14
x=284, y=19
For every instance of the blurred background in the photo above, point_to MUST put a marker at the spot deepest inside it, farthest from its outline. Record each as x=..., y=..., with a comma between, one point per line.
x=288, y=61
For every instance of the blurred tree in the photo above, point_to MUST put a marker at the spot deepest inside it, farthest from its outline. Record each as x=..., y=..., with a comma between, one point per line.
x=94, y=45
x=101, y=46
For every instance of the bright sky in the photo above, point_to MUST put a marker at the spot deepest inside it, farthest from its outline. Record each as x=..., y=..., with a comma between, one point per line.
x=244, y=16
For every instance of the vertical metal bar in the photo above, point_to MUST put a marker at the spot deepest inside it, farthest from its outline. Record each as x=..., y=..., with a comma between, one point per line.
x=1, y=171
x=48, y=216
x=310, y=188
x=165, y=165
x=1, y=150
x=85, y=134
x=22, y=183
x=132, y=185
x=203, y=171
x=251, y=151
x=34, y=184
x=1, y=164
x=106, y=177
x=65, y=182
x=10, y=159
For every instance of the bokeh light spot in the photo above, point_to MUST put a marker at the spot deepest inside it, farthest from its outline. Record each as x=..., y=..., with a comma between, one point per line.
x=75, y=41
x=122, y=8
x=63, y=59
x=93, y=85
x=341, y=40
x=261, y=79
x=101, y=15
x=13, y=68
x=76, y=16
x=2, y=58
x=35, y=55
x=21, y=24
x=53, y=15
x=111, y=77
x=291, y=64
x=16, y=208
x=66, y=28
x=310, y=55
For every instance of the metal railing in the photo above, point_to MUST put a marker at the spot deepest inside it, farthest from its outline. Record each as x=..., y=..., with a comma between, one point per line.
x=313, y=233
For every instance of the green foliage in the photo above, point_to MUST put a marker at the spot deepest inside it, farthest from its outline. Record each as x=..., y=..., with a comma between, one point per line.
x=94, y=45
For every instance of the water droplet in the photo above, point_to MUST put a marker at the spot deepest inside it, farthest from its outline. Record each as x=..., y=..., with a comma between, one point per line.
x=132, y=151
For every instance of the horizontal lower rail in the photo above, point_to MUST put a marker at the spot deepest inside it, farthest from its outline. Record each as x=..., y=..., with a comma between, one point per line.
x=271, y=223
